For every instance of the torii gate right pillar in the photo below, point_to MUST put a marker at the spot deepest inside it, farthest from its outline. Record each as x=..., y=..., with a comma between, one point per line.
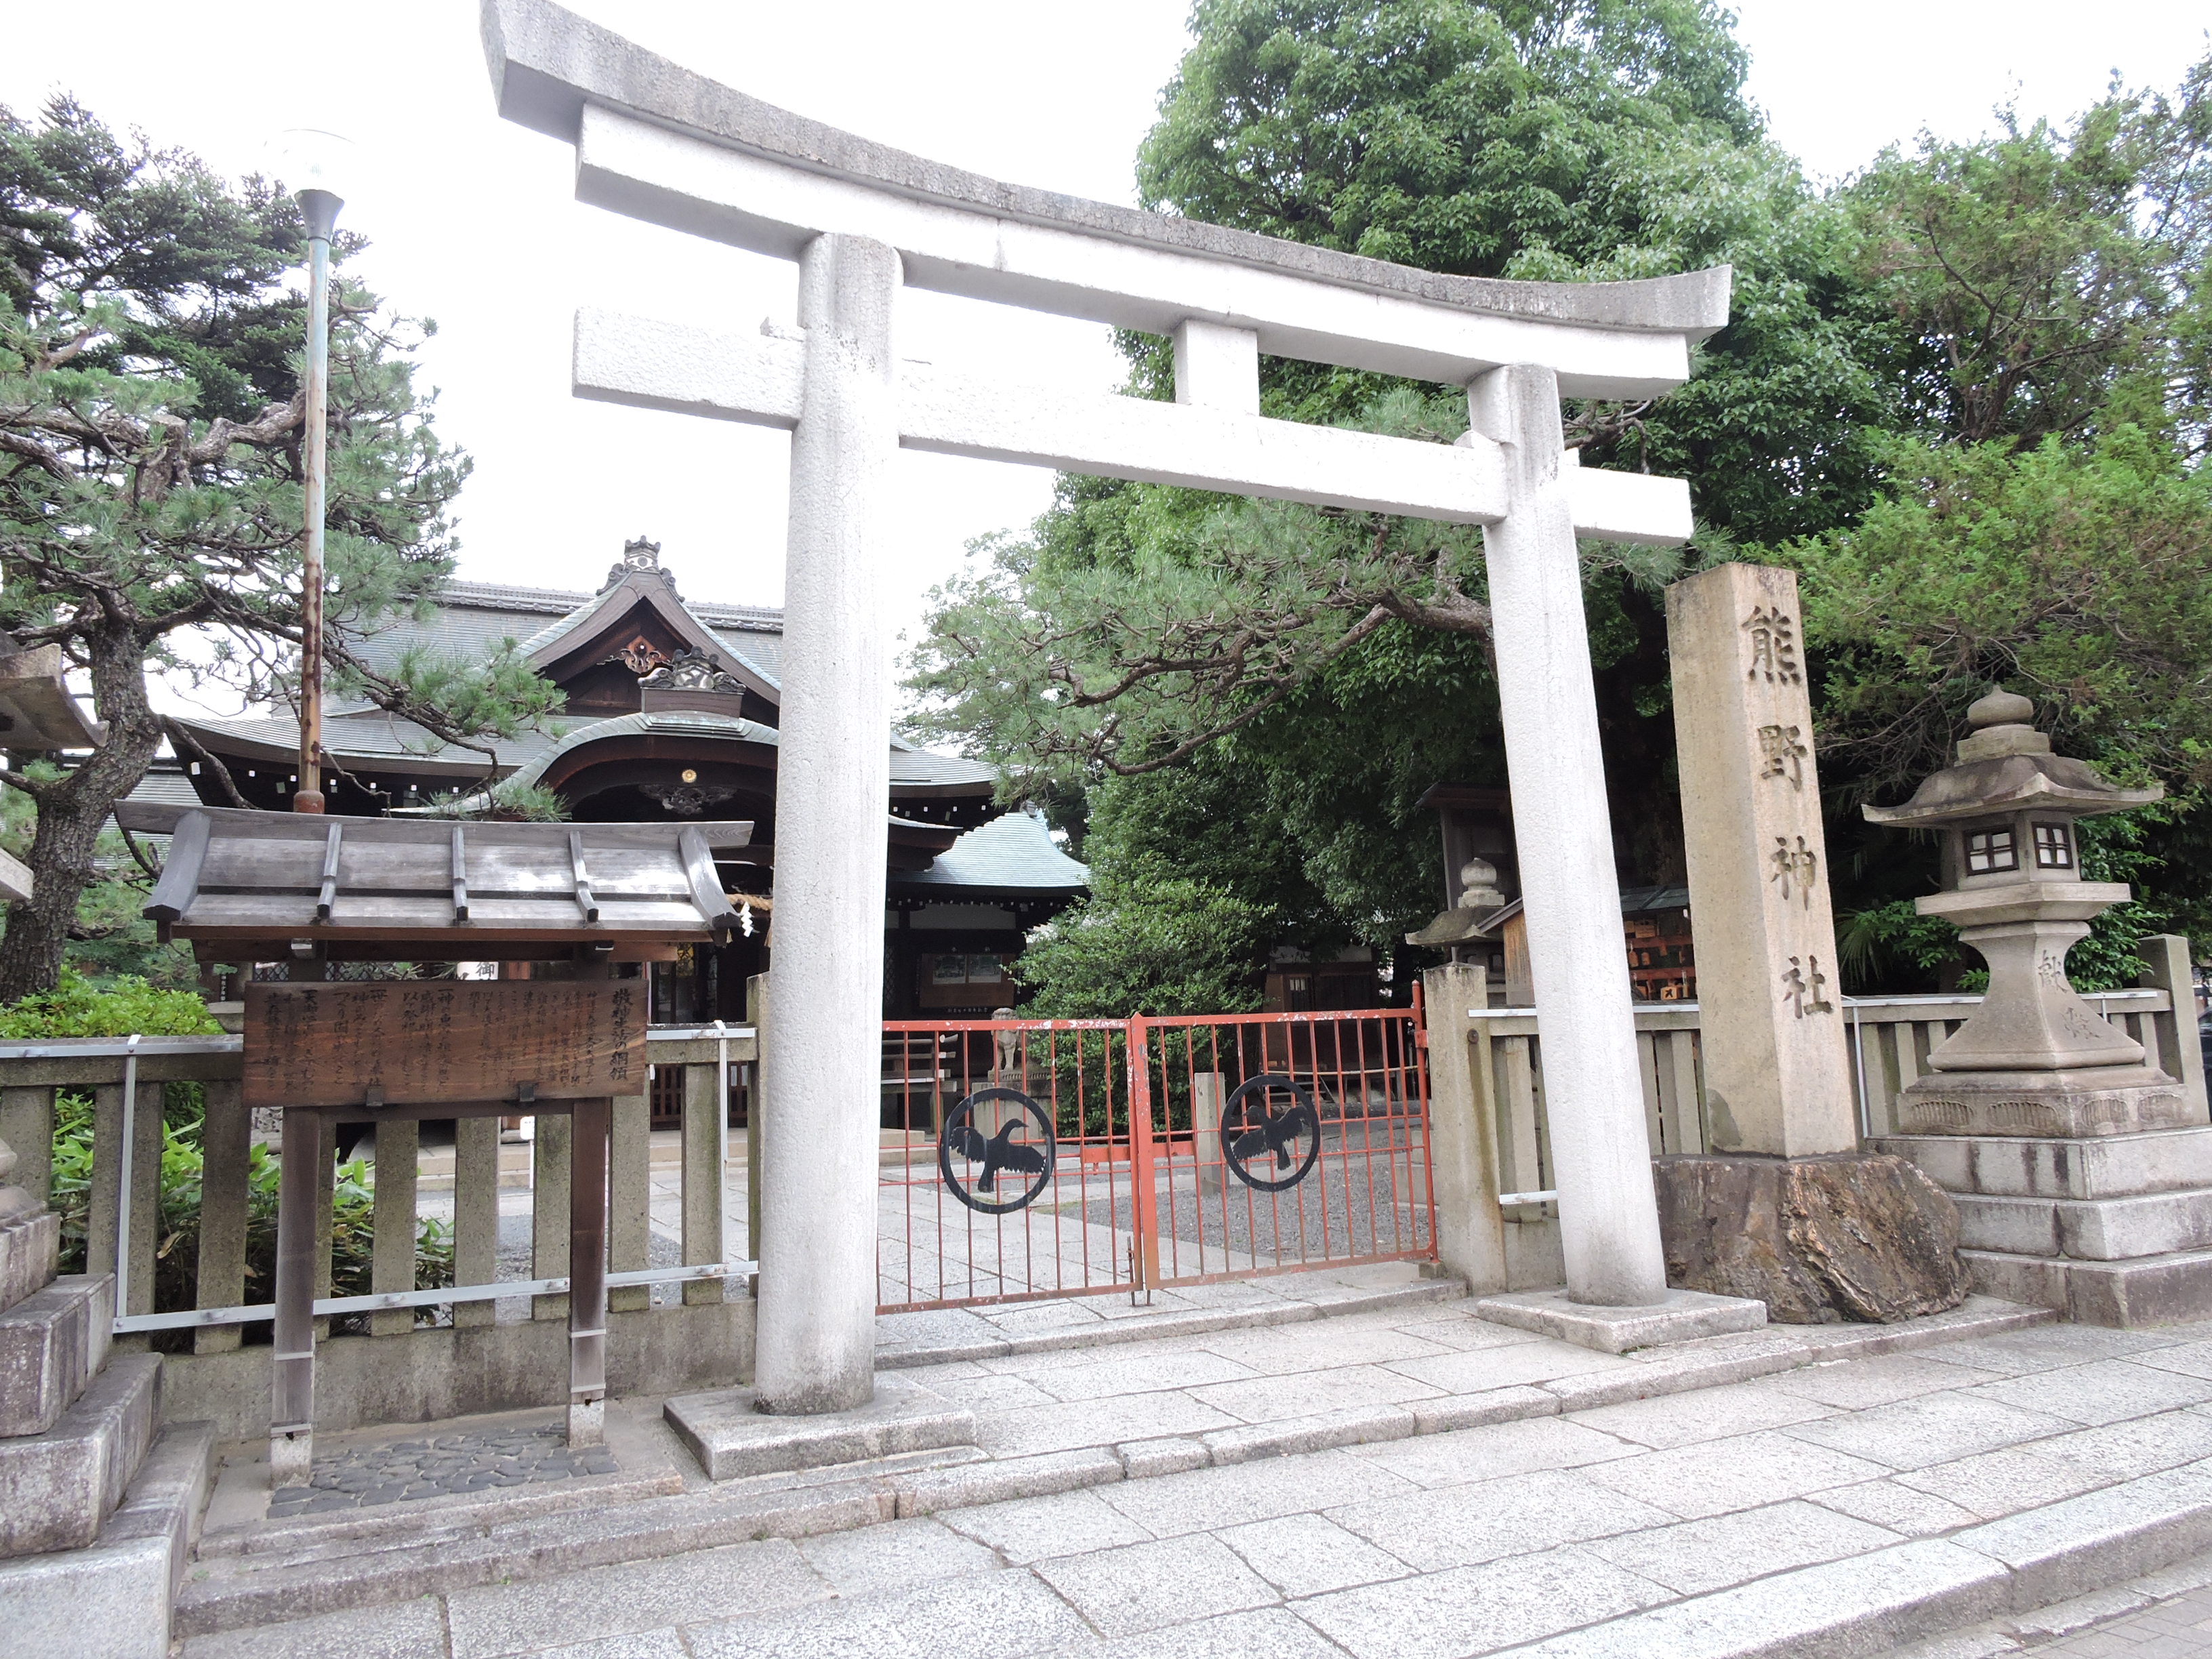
x=1593, y=1091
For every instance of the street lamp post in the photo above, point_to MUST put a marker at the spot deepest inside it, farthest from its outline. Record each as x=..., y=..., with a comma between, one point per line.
x=310, y=161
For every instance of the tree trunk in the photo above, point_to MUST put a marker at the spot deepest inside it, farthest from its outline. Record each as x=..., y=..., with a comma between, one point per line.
x=71, y=813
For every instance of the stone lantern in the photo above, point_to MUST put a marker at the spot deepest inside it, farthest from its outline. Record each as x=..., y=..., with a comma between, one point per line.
x=1468, y=921
x=2035, y=1059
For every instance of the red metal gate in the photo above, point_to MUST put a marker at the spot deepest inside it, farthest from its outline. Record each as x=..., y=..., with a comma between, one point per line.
x=1180, y=1149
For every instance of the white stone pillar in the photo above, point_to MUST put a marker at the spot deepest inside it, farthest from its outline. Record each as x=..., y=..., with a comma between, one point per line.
x=822, y=1067
x=1593, y=1093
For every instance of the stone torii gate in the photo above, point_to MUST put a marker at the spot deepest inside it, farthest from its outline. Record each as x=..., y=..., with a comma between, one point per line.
x=658, y=143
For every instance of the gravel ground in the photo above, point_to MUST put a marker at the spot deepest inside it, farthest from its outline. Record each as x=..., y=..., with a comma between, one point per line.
x=431, y=1468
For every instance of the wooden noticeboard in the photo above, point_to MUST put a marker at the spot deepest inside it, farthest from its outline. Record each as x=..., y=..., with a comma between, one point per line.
x=418, y=1042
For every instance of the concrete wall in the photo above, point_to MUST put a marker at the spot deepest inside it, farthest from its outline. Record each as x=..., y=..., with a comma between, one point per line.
x=452, y=1372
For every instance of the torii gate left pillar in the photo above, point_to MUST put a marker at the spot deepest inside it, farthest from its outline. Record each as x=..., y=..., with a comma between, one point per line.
x=815, y=1338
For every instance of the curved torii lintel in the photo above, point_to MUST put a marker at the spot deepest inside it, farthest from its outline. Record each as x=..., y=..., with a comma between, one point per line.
x=641, y=121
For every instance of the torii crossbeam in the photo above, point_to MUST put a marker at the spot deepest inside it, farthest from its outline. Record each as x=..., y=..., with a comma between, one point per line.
x=659, y=142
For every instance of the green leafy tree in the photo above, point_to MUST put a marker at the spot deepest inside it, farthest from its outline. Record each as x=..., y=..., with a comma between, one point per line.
x=1966, y=392
x=2044, y=521
x=1334, y=665
x=1147, y=941
x=150, y=474
x=2049, y=281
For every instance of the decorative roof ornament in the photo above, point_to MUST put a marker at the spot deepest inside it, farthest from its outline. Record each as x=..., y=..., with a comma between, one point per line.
x=639, y=557
x=688, y=799
x=692, y=671
x=641, y=657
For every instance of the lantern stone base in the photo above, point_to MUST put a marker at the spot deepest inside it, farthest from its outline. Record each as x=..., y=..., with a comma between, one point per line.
x=1819, y=1240
x=2108, y=1100
x=2108, y=1230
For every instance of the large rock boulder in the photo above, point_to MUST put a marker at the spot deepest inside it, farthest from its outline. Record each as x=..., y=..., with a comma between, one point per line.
x=1819, y=1240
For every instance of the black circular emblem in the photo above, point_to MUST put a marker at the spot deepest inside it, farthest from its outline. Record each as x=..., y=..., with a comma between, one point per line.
x=1259, y=1142
x=1020, y=1146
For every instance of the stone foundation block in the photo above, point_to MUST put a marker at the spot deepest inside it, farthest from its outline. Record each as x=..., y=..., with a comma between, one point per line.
x=1684, y=1317
x=51, y=1343
x=1817, y=1240
x=2158, y=1290
x=112, y=1599
x=57, y=1488
x=2111, y=1100
x=732, y=1439
x=2103, y=1166
x=2094, y=1229
x=29, y=1247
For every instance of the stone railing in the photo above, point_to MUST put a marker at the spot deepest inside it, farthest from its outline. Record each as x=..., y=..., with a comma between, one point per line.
x=401, y=1369
x=1887, y=1040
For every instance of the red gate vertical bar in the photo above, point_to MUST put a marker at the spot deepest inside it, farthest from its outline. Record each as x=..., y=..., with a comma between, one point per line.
x=1144, y=1223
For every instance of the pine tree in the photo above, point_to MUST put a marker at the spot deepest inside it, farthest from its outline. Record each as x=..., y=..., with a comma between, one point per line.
x=151, y=409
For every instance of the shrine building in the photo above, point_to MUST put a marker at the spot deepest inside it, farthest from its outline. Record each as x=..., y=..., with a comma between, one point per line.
x=670, y=713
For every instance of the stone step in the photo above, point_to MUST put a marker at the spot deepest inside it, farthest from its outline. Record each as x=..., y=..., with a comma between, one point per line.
x=2088, y=1229
x=229, y=1592
x=2153, y=1290
x=731, y=1440
x=29, y=1245
x=939, y=1336
x=57, y=1488
x=2103, y=1166
x=113, y=1599
x=51, y=1343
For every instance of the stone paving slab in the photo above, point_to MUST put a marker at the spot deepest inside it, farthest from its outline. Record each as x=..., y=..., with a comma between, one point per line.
x=1840, y=1506
x=1152, y=1409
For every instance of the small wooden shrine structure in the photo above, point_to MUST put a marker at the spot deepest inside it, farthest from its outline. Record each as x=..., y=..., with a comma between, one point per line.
x=248, y=887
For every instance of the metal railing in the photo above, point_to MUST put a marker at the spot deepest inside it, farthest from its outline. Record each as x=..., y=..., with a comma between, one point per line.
x=1140, y=1190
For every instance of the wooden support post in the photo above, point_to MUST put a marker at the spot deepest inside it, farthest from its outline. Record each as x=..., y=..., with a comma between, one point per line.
x=292, y=1405
x=27, y=1124
x=756, y=1109
x=702, y=1179
x=226, y=1154
x=587, y=1266
x=549, y=1189
x=392, y=1266
x=630, y=1205
x=475, y=1213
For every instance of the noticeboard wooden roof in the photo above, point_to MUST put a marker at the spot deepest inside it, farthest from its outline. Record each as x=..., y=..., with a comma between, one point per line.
x=266, y=885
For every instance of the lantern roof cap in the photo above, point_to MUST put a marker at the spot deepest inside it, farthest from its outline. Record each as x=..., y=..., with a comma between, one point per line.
x=2006, y=766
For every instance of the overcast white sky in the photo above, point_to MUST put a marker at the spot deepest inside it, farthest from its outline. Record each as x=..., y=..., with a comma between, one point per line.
x=472, y=224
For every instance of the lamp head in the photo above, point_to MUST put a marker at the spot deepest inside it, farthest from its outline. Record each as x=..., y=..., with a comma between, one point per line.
x=318, y=167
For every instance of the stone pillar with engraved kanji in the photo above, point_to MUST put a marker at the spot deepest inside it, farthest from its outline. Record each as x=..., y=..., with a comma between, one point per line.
x=1783, y=1205
x=1777, y=1076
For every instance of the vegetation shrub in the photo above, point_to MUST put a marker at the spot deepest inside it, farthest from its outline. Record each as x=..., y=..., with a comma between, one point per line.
x=75, y=1008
